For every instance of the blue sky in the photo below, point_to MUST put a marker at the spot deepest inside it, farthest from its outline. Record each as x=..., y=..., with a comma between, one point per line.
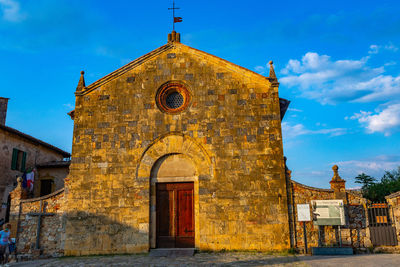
x=337, y=61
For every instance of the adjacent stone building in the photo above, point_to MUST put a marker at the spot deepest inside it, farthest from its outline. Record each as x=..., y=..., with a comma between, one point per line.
x=178, y=148
x=20, y=152
x=51, y=177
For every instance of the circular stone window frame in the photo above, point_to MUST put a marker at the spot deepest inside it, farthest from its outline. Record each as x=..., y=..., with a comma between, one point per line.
x=169, y=88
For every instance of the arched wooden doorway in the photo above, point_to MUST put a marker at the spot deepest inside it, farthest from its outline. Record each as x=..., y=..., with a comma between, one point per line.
x=173, y=180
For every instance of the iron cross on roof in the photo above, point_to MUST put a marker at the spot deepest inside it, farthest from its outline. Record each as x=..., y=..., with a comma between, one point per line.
x=174, y=19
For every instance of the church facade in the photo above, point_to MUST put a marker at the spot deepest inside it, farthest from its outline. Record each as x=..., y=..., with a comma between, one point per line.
x=178, y=148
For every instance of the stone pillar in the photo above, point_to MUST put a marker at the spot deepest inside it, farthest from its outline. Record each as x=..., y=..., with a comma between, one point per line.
x=338, y=185
x=17, y=195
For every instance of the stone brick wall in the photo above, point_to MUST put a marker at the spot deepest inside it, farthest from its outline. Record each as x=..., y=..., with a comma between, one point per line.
x=35, y=154
x=52, y=230
x=231, y=132
x=394, y=202
x=354, y=233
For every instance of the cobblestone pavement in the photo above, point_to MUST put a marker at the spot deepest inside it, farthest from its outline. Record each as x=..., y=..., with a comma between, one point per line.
x=220, y=259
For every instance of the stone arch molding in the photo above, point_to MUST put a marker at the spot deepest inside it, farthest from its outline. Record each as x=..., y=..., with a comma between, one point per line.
x=176, y=143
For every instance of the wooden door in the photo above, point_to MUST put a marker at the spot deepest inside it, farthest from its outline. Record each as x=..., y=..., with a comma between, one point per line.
x=45, y=187
x=175, y=215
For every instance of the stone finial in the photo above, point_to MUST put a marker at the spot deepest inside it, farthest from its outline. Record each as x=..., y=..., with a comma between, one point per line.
x=81, y=83
x=19, y=192
x=271, y=70
x=338, y=185
x=336, y=176
x=19, y=184
x=19, y=180
x=174, y=37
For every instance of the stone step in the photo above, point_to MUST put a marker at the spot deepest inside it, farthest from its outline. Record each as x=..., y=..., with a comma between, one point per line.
x=172, y=252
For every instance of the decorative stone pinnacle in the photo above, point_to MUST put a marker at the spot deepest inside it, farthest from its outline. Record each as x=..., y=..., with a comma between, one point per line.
x=18, y=193
x=336, y=176
x=271, y=70
x=338, y=185
x=81, y=83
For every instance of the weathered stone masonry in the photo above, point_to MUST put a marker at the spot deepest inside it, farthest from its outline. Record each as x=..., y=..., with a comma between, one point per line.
x=52, y=230
x=230, y=131
x=227, y=141
x=355, y=233
x=394, y=202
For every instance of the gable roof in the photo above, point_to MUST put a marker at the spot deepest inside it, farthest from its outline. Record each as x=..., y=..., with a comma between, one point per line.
x=139, y=61
x=34, y=140
x=124, y=69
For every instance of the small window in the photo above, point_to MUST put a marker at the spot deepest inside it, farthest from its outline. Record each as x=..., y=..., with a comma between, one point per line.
x=46, y=187
x=18, y=160
x=174, y=100
x=173, y=97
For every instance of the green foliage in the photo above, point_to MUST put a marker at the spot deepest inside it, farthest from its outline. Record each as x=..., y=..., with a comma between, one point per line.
x=365, y=180
x=376, y=191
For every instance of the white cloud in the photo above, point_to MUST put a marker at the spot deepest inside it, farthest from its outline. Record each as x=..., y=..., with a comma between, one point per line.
x=390, y=63
x=11, y=10
x=260, y=69
x=385, y=121
x=295, y=110
x=348, y=170
x=384, y=88
x=373, y=49
x=371, y=166
x=291, y=131
x=69, y=106
x=391, y=47
x=330, y=81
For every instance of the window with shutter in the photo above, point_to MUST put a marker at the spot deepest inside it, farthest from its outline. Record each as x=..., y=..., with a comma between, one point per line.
x=18, y=160
x=14, y=159
x=23, y=162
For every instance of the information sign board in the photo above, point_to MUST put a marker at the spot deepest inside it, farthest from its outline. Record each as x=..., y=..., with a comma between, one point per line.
x=303, y=213
x=328, y=212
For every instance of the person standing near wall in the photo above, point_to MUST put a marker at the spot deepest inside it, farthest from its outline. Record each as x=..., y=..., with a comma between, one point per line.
x=4, y=241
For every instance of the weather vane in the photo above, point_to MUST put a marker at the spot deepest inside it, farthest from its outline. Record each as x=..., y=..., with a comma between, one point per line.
x=174, y=19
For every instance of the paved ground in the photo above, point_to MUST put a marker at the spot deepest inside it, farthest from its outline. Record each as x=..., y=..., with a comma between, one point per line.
x=220, y=259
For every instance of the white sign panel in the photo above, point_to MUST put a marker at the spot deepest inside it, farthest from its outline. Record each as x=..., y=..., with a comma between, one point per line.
x=303, y=213
x=328, y=212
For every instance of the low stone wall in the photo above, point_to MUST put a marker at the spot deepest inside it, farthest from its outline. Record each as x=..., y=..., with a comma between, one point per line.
x=24, y=217
x=354, y=233
x=394, y=202
x=52, y=228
